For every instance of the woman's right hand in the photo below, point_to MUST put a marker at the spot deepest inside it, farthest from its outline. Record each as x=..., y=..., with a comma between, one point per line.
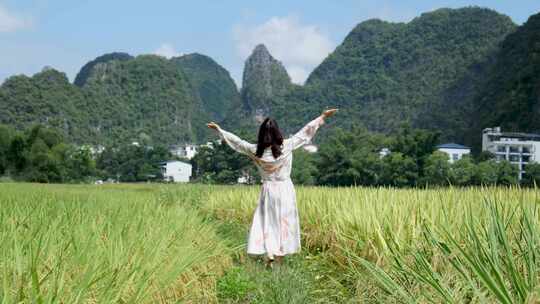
x=328, y=113
x=212, y=125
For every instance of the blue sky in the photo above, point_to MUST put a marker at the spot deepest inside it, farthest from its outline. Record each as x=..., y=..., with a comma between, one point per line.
x=67, y=34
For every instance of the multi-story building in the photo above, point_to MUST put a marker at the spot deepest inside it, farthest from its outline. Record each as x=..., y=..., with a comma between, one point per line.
x=517, y=148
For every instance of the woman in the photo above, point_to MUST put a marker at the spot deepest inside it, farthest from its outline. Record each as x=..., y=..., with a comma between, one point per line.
x=275, y=230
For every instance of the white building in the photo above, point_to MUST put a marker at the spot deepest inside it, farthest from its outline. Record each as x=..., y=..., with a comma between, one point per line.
x=185, y=151
x=455, y=151
x=191, y=150
x=209, y=144
x=94, y=150
x=176, y=171
x=383, y=152
x=311, y=148
x=177, y=150
x=517, y=148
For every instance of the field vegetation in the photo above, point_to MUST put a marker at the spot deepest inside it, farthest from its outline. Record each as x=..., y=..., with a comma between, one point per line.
x=112, y=244
x=167, y=244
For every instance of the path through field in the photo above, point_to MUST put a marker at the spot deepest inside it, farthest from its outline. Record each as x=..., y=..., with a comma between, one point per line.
x=302, y=278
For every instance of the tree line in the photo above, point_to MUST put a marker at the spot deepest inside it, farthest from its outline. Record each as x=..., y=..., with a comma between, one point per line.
x=41, y=154
x=345, y=158
x=353, y=157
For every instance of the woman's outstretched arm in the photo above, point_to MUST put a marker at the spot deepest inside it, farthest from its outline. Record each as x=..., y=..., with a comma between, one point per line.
x=305, y=134
x=235, y=142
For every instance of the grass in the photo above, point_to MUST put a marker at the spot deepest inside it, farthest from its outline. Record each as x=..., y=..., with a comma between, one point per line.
x=252, y=283
x=186, y=243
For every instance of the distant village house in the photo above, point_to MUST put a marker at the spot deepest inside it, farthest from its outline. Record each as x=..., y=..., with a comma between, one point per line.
x=184, y=151
x=176, y=171
x=455, y=151
x=311, y=148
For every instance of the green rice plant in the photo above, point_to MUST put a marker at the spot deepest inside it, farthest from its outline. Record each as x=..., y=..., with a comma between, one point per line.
x=495, y=258
x=171, y=243
x=106, y=244
x=365, y=231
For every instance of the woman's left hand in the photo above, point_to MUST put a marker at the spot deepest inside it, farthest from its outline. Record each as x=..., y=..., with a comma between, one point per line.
x=329, y=112
x=212, y=125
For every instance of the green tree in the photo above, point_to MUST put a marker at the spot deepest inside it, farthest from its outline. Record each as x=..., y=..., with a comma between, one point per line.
x=16, y=154
x=531, y=177
x=131, y=163
x=304, y=170
x=49, y=136
x=220, y=164
x=6, y=136
x=507, y=173
x=484, y=155
x=34, y=156
x=42, y=167
x=437, y=170
x=108, y=163
x=350, y=158
x=463, y=171
x=487, y=173
x=39, y=154
x=81, y=164
x=415, y=143
x=399, y=170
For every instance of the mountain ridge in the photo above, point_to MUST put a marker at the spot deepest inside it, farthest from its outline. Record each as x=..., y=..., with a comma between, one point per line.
x=427, y=72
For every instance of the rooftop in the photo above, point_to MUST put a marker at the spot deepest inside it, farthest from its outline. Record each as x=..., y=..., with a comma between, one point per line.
x=497, y=132
x=452, y=146
x=163, y=163
x=530, y=136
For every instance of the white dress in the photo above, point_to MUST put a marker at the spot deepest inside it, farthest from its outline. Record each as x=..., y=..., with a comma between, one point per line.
x=275, y=229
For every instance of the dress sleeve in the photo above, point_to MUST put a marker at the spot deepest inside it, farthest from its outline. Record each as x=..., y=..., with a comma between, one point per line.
x=236, y=143
x=305, y=135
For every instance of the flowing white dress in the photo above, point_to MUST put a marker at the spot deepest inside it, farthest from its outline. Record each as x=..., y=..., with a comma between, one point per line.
x=275, y=229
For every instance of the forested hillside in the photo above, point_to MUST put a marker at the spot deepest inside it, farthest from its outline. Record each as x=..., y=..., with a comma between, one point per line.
x=45, y=98
x=120, y=98
x=212, y=83
x=424, y=72
x=146, y=98
x=85, y=71
x=267, y=90
x=511, y=95
x=265, y=82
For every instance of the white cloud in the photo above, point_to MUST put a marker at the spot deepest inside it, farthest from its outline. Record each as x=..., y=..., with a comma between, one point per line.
x=167, y=50
x=10, y=22
x=298, y=46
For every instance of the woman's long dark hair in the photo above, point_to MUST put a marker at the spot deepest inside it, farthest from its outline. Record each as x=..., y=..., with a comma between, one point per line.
x=269, y=136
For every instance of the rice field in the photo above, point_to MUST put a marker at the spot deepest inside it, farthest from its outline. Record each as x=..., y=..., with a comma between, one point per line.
x=185, y=243
x=111, y=244
x=448, y=245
